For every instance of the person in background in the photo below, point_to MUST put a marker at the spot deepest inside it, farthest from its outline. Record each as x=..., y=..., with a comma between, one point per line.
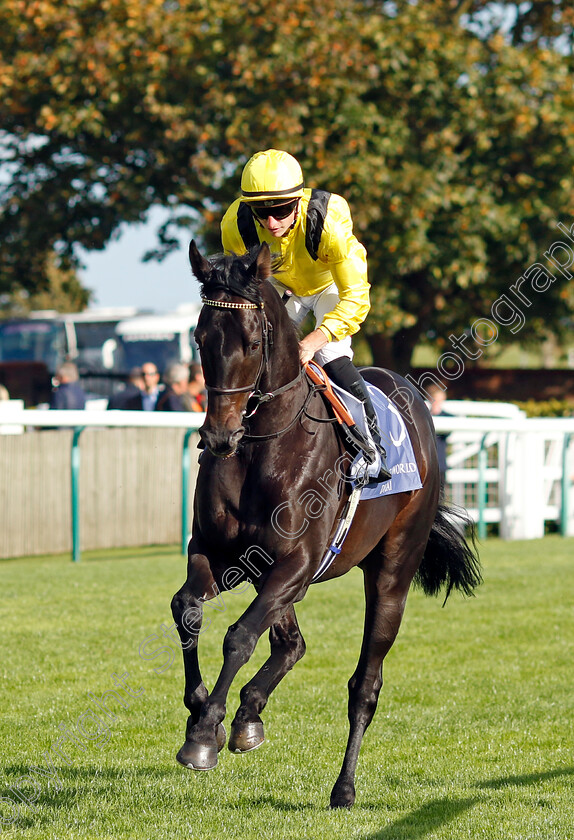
x=130, y=397
x=437, y=397
x=151, y=389
x=68, y=393
x=176, y=380
x=196, y=399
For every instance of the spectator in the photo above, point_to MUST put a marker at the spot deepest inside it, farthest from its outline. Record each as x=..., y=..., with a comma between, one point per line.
x=437, y=395
x=196, y=398
x=176, y=380
x=130, y=397
x=68, y=393
x=151, y=390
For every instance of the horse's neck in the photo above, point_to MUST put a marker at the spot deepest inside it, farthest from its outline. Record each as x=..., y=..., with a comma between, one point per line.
x=283, y=365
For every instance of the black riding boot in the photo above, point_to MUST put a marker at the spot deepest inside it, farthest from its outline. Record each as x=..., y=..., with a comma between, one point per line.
x=344, y=374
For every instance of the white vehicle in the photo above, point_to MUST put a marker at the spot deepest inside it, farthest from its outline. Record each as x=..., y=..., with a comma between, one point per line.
x=33, y=347
x=161, y=339
x=87, y=338
x=91, y=338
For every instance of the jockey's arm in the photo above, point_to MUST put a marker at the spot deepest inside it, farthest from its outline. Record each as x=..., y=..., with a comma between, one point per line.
x=310, y=344
x=349, y=313
x=350, y=276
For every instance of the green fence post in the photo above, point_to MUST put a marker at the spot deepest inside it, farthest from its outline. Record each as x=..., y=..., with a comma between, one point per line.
x=75, y=484
x=185, y=466
x=565, y=489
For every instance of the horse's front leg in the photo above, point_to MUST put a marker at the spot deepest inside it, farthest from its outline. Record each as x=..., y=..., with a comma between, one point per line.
x=187, y=611
x=287, y=647
x=275, y=598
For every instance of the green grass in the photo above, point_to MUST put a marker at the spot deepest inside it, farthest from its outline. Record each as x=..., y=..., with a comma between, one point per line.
x=473, y=737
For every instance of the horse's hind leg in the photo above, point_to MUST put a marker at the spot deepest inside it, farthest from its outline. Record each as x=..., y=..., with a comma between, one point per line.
x=386, y=587
x=287, y=647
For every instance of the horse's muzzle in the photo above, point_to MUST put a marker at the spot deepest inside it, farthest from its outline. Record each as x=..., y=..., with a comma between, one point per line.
x=221, y=442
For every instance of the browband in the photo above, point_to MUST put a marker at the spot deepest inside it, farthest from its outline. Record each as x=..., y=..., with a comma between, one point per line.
x=227, y=304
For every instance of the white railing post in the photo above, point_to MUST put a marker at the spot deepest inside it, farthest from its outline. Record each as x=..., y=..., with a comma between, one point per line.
x=525, y=488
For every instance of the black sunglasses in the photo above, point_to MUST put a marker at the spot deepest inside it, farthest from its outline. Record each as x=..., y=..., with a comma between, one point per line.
x=278, y=211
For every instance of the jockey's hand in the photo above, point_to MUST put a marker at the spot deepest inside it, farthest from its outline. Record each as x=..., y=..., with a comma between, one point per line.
x=310, y=344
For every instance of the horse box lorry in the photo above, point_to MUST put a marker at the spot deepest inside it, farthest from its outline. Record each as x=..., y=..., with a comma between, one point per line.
x=105, y=344
x=161, y=339
x=32, y=348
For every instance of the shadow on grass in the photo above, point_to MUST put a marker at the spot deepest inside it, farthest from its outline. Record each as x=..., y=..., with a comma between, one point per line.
x=64, y=783
x=424, y=820
x=527, y=779
x=65, y=787
x=433, y=815
x=281, y=804
x=412, y=826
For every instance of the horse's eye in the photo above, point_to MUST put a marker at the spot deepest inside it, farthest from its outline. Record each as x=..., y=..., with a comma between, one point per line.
x=255, y=345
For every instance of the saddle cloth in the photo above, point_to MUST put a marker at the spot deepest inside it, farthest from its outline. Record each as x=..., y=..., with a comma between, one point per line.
x=395, y=440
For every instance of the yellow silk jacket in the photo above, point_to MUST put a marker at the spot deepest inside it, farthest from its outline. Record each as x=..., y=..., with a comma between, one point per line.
x=341, y=259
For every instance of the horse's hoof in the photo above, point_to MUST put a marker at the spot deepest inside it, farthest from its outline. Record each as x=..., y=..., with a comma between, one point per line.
x=342, y=795
x=246, y=737
x=220, y=733
x=220, y=737
x=198, y=756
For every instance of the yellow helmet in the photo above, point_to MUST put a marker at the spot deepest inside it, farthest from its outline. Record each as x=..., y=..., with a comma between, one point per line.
x=271, y=176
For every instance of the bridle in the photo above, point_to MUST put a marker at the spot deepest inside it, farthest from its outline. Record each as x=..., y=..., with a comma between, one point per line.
x=267, y=341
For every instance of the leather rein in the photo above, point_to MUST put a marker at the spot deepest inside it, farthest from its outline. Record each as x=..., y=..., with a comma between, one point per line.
x=255, y=393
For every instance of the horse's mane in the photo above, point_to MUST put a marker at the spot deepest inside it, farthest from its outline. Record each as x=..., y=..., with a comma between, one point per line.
x=230, y=274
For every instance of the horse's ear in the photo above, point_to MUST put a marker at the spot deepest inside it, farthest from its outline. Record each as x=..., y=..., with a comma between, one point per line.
x=199, y=265
x=263, y=263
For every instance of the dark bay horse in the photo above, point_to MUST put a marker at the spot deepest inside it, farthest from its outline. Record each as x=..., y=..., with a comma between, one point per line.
x=267, y=503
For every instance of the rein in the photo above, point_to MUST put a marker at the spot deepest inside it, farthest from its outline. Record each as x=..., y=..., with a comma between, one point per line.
x=313, y=389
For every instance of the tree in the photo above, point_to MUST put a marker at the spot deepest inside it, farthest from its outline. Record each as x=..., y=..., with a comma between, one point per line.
x=484, y=169
x=452, y=141
x=63, y=292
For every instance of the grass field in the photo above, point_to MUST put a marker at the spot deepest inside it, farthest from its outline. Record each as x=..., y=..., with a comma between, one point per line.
x=473, y=737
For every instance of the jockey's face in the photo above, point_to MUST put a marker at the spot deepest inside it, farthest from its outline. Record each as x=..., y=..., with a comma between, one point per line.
x=277, y=226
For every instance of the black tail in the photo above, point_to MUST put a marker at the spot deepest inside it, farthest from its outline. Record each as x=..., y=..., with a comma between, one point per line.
x=449, y=560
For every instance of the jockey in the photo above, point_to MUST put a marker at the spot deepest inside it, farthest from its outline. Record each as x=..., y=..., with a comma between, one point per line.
x=323, y=266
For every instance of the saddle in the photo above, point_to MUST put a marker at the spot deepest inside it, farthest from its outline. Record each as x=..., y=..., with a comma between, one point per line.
x=354, y=440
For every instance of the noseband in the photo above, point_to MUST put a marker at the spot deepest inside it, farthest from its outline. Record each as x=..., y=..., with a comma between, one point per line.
x=267, y=341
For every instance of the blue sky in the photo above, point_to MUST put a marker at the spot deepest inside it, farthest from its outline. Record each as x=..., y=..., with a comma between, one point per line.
x=118, y=277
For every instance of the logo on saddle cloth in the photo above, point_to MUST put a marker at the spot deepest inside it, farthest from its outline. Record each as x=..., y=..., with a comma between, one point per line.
x=394, y=434
x=395, y=438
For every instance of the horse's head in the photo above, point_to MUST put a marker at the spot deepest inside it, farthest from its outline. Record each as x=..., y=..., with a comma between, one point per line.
x=234, y=334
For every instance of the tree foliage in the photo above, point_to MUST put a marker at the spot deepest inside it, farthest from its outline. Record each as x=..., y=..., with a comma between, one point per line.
x=62, y=292
x=447, y=125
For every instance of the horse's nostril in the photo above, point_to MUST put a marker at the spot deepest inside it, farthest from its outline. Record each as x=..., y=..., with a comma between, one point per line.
x=221, y=441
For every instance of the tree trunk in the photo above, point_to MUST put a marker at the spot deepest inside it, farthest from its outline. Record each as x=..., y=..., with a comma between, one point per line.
x=394, y=352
